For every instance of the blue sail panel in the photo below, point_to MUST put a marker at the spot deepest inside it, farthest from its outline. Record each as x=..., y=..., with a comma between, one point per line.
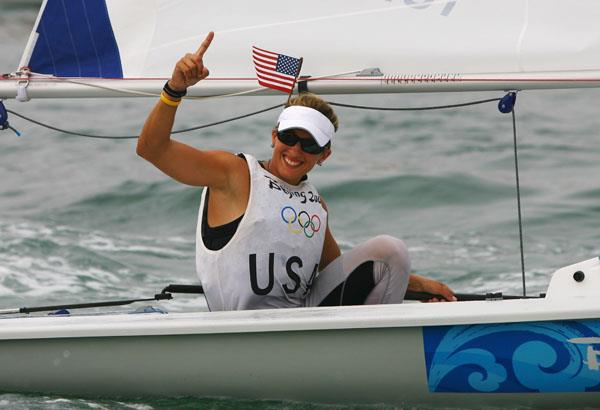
x=76, y=39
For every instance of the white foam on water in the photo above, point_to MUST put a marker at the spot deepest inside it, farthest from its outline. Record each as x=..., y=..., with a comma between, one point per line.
x=30, y=271
x=136, y=406
x=93, y=405
x=511, y=282
x=182, y=240
x=59, y=400
x=4, y=290
x=98, y=242
x=25, y=230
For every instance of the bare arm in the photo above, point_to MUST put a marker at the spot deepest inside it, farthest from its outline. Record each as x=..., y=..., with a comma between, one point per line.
x=418, y=283
x=217, y=169
x=331, y=249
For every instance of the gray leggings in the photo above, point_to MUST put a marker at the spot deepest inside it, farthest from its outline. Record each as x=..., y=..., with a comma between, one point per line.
x=374, y=272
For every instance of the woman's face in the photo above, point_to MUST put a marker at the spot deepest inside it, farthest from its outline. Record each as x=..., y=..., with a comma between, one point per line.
x=291, y=163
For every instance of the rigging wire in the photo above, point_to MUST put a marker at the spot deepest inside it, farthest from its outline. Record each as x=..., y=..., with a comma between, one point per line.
x=514, y=124
x=122, y=137
x=361, y=107
x=147, y=94
x=435, y=107
x=239, y=117
x=506, y=106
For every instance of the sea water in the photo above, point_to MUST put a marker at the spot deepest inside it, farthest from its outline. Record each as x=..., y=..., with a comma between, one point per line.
x=85, y=219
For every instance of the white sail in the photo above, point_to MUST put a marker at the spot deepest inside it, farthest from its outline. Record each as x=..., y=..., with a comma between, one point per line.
x=416, y=45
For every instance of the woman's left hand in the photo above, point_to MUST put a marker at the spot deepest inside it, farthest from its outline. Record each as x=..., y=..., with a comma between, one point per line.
x=418, y=283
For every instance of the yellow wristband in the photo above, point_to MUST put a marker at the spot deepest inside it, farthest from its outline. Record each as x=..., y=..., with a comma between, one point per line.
x=166, y=100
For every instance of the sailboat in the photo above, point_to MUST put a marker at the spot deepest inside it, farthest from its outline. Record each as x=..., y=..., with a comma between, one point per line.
x=541, y=351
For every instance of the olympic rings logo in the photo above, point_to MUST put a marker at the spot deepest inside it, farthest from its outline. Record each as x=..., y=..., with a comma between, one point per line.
x=306, y=223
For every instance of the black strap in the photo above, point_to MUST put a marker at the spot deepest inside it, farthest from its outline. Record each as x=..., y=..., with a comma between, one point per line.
x=173, y=93
x=183, y=289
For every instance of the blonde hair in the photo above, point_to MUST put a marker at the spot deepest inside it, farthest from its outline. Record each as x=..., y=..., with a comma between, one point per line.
x=315, y=102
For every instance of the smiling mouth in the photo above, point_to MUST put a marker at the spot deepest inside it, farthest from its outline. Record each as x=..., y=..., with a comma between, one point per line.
x=291, y=162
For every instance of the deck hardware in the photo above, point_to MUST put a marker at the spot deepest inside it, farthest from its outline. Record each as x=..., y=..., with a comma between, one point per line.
x=579, y=276
x=303, y=84
x=507, y=102
x=4, y=120
x=494, y=296
x=59, y=312
x=23, y=74
x=22, y=95
x=370, y=72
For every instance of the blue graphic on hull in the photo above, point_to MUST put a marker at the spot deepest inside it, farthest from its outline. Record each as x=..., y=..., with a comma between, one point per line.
x=557, y=356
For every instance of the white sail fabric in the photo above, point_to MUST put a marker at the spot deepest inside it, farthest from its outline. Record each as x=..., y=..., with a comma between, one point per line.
x=340, y=36
x=416, y=44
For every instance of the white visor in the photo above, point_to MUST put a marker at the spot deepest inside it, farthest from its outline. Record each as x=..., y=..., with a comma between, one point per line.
x=308, y=119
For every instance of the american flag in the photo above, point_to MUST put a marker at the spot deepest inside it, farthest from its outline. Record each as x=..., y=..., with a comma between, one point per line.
x=274, y=70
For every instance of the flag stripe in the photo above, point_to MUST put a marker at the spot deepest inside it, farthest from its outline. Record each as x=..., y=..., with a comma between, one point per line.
x=272, y=72
x=265, y=59
x=263, y=74
x=263, y=51
x=275, y=81
x=275, y=87
x=267, y=65
x=266, y=56
x=271, y=81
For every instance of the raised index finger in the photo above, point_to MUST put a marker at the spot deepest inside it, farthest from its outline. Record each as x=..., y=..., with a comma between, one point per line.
x=205, y=44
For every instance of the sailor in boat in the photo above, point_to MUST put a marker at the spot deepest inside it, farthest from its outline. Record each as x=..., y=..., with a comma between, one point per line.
x=263, y=238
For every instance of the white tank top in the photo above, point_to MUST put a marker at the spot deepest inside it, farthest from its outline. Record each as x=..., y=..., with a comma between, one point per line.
x=273, y=257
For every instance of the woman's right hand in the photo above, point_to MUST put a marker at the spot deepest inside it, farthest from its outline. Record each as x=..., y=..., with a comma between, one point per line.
x=418, y=283
x=190, y=69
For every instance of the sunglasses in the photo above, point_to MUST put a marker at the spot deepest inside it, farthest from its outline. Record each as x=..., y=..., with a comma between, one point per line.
x=307, y=145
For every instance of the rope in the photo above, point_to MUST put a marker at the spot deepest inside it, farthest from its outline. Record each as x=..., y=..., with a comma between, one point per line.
x=360, y=107
x=146, y=94
x=121, y=137
x=229, y=120
x=435, y=107
x=79, y=134
x=514, y=124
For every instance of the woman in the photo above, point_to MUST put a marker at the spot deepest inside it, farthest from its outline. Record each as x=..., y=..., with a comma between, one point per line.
x=263, y=240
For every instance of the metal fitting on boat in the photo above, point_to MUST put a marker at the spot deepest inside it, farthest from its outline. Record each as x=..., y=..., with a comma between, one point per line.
x=370, y=72
x=23, y=74
x=494, y=296
x=579, y=276
x=506, y=103
x=4, y=120
x=22, y=91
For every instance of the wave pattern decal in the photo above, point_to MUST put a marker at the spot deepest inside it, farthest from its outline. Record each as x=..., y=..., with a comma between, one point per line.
x=556, y=356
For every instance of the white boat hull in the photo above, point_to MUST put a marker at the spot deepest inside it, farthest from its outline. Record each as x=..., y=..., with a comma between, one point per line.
x=542, y=351
x=358, y=354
